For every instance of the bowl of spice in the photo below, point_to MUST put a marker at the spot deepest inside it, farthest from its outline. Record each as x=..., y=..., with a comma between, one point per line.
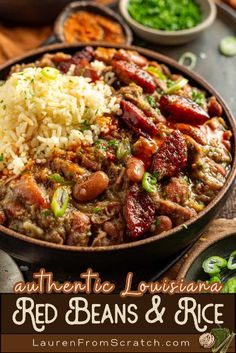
x=168, y=22
x=87, y=22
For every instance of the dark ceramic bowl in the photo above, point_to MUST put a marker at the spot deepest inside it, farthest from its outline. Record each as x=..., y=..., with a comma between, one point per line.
x=92, y=7
x=219, y=245
x=145, y=251
x=31, y=12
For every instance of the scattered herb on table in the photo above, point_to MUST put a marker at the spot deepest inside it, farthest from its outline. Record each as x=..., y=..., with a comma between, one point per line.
x=168, y=15
x=228, y=46
x=188, y=60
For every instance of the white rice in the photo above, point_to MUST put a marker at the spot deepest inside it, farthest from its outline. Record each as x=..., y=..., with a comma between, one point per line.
x=38, y=114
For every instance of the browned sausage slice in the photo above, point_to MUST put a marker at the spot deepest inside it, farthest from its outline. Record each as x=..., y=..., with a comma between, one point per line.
x=171, y=156
x=139, y=212
x=137, y=120
x=128, y=73
x=182, y=110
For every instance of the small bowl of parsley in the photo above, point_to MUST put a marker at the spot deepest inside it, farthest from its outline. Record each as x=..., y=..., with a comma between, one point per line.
x=168, y=22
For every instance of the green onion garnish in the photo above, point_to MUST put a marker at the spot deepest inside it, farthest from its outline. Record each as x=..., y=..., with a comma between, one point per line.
x=149, y=182
x=228, y=46
x=188, y=60
x=60, y=201
x=214, y=264
x=50, y=73
x=156, y=72
x=177, y=86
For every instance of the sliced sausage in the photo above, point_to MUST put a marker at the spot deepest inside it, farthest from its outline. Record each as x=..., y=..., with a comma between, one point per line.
x=128, y=72
x=171, y=156
x=182, y=110
x=137, y=120
x=28, y=190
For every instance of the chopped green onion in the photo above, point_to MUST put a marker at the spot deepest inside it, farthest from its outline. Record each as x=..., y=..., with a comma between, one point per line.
x=46, y=213
x=113, y=143
x=214, y=279
x=188, y=57
x=57, y=178
x=60, y=201
x=123, y=149
x=232, y=261
x=214, y=264
x=231, y=285
x=1, y=157
x=97, y=210
x=50, y=73
x=198, y=97
x=177, y=86
x=149, y=182
x=156, y=72
x=151, y=101
x=228, y=46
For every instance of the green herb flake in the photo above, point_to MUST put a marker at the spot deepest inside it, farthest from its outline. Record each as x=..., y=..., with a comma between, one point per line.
x=97, y=210
x=1, y=157
x=47, y=213
x=157, y=222
x=113, y=143
x=168, y=15
x=57, y=178
x=151, y=101
x=84, y=126
x=199, y=98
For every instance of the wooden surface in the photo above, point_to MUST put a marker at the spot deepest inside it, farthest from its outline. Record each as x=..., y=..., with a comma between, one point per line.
x=17, y=40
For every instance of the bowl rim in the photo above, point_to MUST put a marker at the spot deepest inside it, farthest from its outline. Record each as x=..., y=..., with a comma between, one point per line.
x=196, y=29
x=195, y=253
x=199, y=81
x=81, y=6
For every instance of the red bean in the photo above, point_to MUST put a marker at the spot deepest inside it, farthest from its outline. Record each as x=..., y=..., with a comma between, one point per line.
x=91, y=188
x=163, y=224
x=135, y=169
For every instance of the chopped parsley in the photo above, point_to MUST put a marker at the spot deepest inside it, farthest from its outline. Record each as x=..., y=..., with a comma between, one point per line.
x=156, y=175
x=151, y=101
x=168, y=15
x=47, y=213
x=199, y=98
x=113, y=143
x=85, y=125
x=157, y=222
x=169, y=83
x=1, y=157
x=97, y=210
x=57, y=178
